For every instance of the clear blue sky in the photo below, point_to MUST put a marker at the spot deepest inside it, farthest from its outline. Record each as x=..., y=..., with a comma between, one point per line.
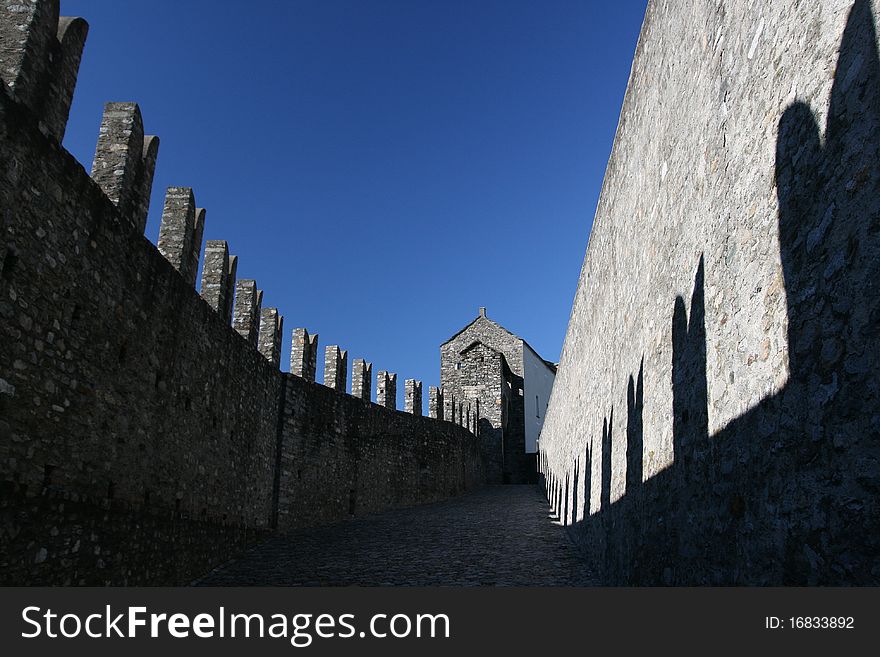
x=382, y=168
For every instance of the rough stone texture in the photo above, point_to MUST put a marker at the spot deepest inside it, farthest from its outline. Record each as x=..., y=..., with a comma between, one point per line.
x=449, y=409
x=412, y=396
x=39, y=59
x=180, y=233
x=230, y=289
x=497, y=536
x=125, y=161
x=271, y=325
x=715, y=418
x=246, y=314
x=361, y=379
x=435, y=402
x=343, y=456
x=141, y=439
x=125, y=395
x=61, y=538
x=214, y=277
x=303, y=354
x=386, y=389
x=484, y=362
x=335, y=367
x=196, y=249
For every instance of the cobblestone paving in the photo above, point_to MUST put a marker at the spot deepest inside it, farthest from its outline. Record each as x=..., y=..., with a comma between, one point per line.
x=497, y=536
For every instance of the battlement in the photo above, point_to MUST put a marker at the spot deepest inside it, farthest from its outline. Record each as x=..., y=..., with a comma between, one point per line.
x=449, y=405
x=246, y=313
x=130, y=399
x=125, y=160
x=435, y=402
x=39, y=59
x=361, y=379
x=412, y=396
x=180, y=234
x=302, y=364
x=303, y=353
x=40, y=53
x=335, y=367
x=271, y=324
x=218, y=278
x=386, y=389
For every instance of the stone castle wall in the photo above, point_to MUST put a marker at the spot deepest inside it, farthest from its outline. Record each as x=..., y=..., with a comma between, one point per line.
x=341, y=456
x=715, y=416
x=140, y=433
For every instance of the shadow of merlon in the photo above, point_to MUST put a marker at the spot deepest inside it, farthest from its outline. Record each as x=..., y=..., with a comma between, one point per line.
x=786, y=493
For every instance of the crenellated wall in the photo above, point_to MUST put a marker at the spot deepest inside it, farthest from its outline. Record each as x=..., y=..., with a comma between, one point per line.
x=716, y=415
x=142, y=425
x=342, y=455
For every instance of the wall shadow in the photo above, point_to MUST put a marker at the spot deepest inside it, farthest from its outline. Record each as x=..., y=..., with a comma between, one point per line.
x=786, y=493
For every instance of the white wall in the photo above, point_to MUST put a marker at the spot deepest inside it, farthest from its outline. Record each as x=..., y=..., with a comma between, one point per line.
x=538, y=382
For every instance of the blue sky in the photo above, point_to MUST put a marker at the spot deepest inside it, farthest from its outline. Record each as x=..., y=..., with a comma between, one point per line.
x=381, y=168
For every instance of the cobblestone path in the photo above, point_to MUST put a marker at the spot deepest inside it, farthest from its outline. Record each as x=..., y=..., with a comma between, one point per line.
x=497, y=536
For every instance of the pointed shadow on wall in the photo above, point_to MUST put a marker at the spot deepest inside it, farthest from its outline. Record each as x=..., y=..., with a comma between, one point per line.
x=786, y=493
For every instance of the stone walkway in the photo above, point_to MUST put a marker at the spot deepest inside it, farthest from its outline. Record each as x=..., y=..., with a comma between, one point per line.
x=497, y=536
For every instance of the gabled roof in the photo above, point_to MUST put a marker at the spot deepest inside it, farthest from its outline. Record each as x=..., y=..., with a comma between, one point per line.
x=482, y=315
x=550, y=365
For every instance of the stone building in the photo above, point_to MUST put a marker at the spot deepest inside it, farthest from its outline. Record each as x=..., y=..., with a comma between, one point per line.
x=506, y=385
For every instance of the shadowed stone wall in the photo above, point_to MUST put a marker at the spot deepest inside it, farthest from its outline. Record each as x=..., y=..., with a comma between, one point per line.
x=125, y=396
x=140, y=433
x=342, y=455
x=715, y=416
